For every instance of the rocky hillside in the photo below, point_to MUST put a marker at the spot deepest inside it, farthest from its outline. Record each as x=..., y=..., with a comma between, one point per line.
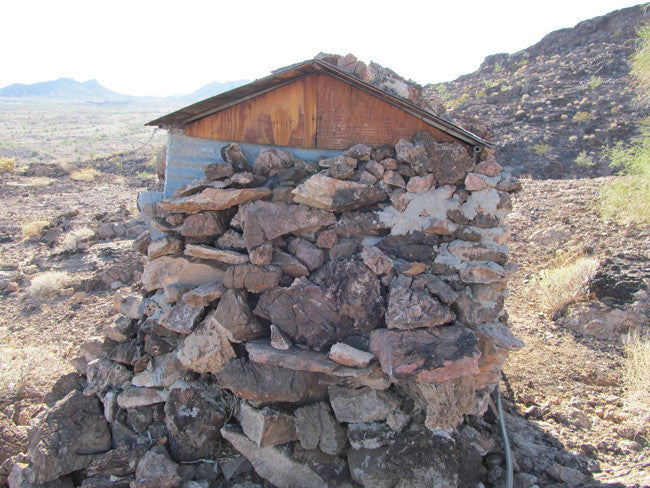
x=556, y=106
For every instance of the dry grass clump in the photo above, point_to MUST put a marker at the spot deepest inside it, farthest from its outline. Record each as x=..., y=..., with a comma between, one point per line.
x=15, y=369
x=7, y=165
x=637, y=366
x=565, y=283
x=34, y=226
x=71, y=240
x=47, y=284
x=85, y=174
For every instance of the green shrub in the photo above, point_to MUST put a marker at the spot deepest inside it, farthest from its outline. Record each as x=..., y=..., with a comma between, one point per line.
x=595, y=82
x=583, y=117
x=541, y=149
x=585, y=160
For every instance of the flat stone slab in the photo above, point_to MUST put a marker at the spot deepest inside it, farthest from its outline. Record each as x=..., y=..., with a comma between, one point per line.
x=212, y=199
x=264, y=221
x=430, y=355
x=212, y=253
x=327, y=193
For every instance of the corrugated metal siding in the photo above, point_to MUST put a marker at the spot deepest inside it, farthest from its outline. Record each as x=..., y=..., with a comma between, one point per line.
x=187, y=156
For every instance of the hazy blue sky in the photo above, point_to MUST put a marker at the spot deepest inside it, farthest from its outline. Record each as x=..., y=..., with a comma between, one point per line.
x=144, y=47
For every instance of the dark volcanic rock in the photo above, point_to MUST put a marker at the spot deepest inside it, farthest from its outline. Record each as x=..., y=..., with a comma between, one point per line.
x=234, y=317
x=193, y=421
x=430, y=355
x=66, y=437
x=253, y=278
x=422, y=458
x=618, y=278
x=451, y=161
x=262, y=384
x=321, y=191
x=306, y=312
x=264, y=221
x=410, y=308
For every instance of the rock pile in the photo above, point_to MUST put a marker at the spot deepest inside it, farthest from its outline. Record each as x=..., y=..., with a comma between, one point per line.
x=333, y=323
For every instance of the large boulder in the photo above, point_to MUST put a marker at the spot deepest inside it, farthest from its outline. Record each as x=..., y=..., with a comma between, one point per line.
x=67, y=437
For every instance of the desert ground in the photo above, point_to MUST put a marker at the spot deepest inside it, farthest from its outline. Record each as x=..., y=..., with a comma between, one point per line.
x=68, y=219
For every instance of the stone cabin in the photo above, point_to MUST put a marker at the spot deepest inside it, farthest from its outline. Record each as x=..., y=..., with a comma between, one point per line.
x=310, y=109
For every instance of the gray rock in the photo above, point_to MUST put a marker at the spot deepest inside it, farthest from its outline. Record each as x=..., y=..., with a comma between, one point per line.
x=156, y=470
x=204, y=295
x=103, y=375
x=266, y=426
x=193, y=420
x=167, y=270
x=310, y=255
x=263, y=384
x=166, y=245
x=181, y=318
x=410, y=308
x=340, y=167
x=141, y=397
x=214, y=254
x=204, y=224
x=370, y=435
x=274, y=464
x=334, y=195
x=234, y=318
x=253, y=278
x=272, y=161
x=317, y=428
x=361, y=405
x=206, y=349
x=66, y=437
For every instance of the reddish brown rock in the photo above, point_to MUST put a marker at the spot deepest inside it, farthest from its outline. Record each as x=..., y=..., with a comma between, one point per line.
x=360, y=152
x=261, y=255
x=355, y=224
x=474, y=182
x=207, y=349
x=375, y=169
x=272, y=161
x=483, y=273
x=14, y=438
x=431, y=355
x=255, y=279
x=310, y=255
x=350, y=356
x=288, y=264
x=436, y=286
x=451, y=161
x=233, y=154
x=193, y=421
x=203, y=224
x=356, y=291
x=213, y=199
x=488, y=168
x=181, y=318
x=167, y=270
x=214, y=254
x=156, y=470
x=265, y=221
x=204, y=295
x=415, y=155
x=261, y=384
x=420, y=184
x=410, y=308
x=233, y=316
x=378, y=262
x=336, y=195
x=266, y=426
x=218, y=171
x=393, y=178
x=166, y=245
x=141, y=397
x=327, y=239
x=340, y=167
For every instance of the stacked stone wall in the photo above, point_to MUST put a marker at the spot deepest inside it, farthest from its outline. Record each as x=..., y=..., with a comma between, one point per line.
x=334, y=323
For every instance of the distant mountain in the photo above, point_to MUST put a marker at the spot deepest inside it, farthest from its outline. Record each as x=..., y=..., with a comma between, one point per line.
x=68, y=90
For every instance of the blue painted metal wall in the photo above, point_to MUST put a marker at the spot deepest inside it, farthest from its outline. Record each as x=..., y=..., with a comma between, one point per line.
x=187, y=156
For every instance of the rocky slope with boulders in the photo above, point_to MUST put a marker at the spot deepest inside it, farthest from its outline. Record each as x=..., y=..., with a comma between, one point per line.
x=556, y=107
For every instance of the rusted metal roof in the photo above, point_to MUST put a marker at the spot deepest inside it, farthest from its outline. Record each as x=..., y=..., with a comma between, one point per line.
x=291, y=73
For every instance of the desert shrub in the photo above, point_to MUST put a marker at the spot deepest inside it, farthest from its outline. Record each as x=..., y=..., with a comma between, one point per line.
x=585, y=160
x=71, y=239
x=15, y=367
x=34, y=226
x=583, y=117
x=641, y=62
x=85, y=174
x=595, y=82
x=46, y=284
x=541, y=149
x=627, y=199
x=7, y=165
x=563, y=284
x=637, y=364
